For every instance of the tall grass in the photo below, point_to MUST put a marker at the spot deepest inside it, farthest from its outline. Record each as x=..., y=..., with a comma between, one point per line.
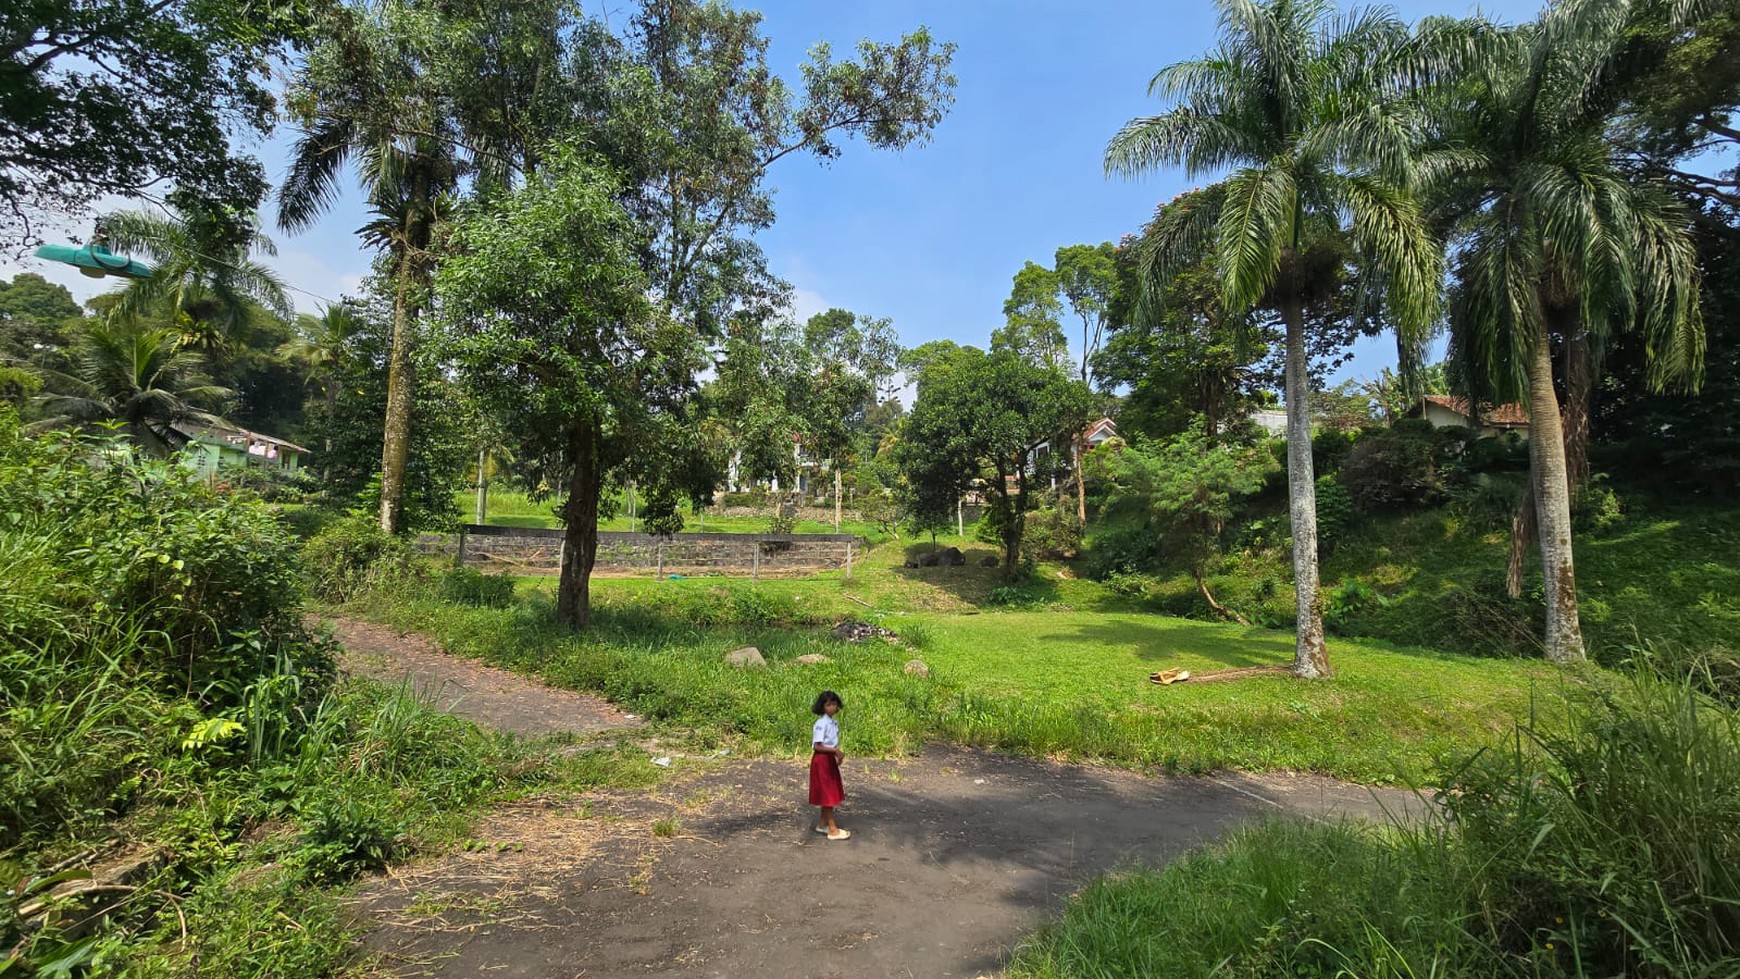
x=1606, y=845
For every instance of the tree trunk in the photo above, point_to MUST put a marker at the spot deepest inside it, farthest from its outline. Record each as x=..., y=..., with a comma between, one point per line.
x=1579, y=405
x=1564, y=639
x=401, y=379
x=1080, y=481
x=580, y=527
x=482, y=487
x=1017, y=520
x=1310, y=657
x=1522, y=533
x=836, y=497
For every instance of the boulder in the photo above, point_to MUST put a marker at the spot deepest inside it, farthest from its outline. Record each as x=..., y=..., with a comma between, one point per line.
x=952, y=557
x=812, y=659
x=911, y=563
x=916, y=667
x=929, y=559
x=988, y=561
x=747, y=658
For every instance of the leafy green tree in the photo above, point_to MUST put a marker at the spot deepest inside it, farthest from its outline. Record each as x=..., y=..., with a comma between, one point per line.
x=1682, y=91
x=981, y=416
x=849, y=359
x=1033, y=319
x=685, y=107
x=1556, y=237
x=1306, y=108
x=545, y=315
x=1183, y=359
x=38, y=323
x=1089, y=279
x=1185, y=489
x=143, y=378
x=344, y=426
x=125, y=95
x=1693, y=436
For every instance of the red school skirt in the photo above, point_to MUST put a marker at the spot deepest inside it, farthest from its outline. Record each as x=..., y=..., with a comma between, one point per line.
x=826, y=789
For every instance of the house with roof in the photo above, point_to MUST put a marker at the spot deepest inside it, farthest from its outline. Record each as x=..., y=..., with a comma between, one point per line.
x=1445, y=411
x=208, y=448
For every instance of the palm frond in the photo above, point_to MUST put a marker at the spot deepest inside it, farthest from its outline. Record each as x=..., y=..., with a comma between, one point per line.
x=1256, y=223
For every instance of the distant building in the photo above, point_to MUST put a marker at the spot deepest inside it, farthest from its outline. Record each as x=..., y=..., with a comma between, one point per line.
x=1271, y=420
x=208, y=448
x=1444, y=411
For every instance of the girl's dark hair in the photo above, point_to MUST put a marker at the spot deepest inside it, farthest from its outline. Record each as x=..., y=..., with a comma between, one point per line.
x=825, y=698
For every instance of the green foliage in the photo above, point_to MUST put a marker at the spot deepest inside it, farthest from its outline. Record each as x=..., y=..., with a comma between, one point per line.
x=1049, y=534
x=346, y=432
x=1597, y=844
x=351, y=554
x=83, y=115
x=978, y=416
x=1183, y=491
x=468, y=586
x=1395, y=467
x=1335, y=512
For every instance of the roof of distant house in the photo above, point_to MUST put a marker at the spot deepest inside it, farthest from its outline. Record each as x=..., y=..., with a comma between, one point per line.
x=1499, y=416
x=238, y=437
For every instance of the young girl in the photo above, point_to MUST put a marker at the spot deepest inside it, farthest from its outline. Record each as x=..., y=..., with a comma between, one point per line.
x=826, y=789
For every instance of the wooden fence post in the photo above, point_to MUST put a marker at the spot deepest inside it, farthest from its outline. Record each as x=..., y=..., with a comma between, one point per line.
x=659, y=552
x=461, y=556
x=849, y=560
x=755, y=560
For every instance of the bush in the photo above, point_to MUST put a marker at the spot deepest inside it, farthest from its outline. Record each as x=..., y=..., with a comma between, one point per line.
x=752, y=498
x=1122, y=549
x=1050, y=534
x=350, y=555
x=1334, y=512
x=1599, y=844
x=468, y=586
x=1394, y=468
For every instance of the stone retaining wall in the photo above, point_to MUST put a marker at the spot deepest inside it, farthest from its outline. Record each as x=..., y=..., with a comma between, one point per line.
x=627, y=553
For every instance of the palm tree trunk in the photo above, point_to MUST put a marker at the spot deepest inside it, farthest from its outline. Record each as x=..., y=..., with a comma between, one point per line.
x=1564, y=639
x=1310, y=657
x=396, y=440
x=1579, y=406
x=1522, y=531
x=580, y=527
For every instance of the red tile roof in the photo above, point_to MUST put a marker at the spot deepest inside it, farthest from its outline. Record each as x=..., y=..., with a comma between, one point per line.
x=1500, y=416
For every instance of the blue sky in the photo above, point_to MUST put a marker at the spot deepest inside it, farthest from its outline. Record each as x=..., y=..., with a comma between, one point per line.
x=932, y=235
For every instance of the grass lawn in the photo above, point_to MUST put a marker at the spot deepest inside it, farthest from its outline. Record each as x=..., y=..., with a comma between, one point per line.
x=1064, y=674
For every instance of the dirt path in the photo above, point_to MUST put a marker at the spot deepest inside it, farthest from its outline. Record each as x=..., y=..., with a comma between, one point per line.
x=956, y=853
x=485, y=695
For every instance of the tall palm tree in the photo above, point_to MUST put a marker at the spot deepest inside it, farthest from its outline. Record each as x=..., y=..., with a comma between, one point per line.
x=1555, y=238
x=141, y=376
x=1308, y=112
x=365, y=99
x=206, y=280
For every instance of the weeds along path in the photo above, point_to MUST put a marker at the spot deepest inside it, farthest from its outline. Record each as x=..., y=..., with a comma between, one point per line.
x=486, y=696
x=956, y=853
x=717, y=872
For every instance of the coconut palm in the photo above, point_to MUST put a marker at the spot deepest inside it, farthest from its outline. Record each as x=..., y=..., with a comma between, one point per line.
x=205, y=280
x=364, y=100
x=1554, y=238
x=141, y=376
x=1308, y=112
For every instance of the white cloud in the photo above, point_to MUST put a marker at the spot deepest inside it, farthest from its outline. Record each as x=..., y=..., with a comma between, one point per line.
x=806, y=303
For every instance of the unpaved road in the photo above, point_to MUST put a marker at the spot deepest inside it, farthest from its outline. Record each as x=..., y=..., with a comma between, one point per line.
x=956, y=854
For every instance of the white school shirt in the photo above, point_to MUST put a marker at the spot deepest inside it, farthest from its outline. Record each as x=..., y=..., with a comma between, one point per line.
x=826, y=733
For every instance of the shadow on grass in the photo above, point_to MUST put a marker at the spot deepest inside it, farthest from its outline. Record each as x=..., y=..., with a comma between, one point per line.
x=1164, y=641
